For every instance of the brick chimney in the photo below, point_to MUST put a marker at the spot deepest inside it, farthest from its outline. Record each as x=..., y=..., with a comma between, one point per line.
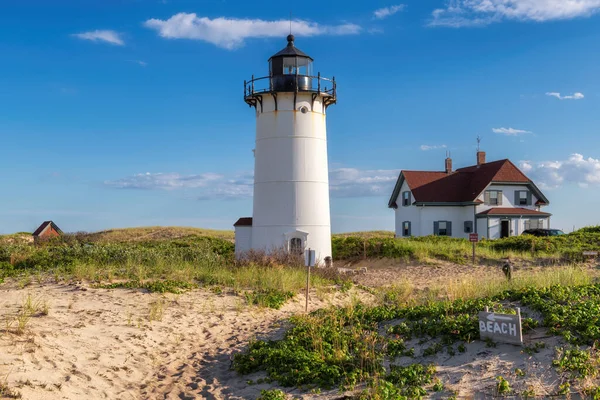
x=480, y=157
x=448, y=165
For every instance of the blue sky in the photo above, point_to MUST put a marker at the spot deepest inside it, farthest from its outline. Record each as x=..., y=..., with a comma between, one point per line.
x=130, y=113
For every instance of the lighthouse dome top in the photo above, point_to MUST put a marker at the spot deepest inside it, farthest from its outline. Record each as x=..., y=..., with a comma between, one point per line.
x=291, y=50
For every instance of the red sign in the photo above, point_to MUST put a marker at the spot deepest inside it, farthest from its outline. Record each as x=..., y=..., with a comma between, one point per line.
x=473, y=237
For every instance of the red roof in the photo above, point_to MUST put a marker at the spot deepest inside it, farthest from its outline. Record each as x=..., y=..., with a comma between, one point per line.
x=513, y=211
x=245, y=221
x=462, y=186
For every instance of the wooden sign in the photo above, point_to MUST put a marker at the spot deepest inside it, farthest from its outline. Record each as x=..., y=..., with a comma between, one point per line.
x=474, y=237
x=504, y=328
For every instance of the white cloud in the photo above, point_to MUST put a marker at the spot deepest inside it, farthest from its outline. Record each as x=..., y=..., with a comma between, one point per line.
x=209, y=185
x=140, y=63
x=425, y=147
x=510, y=131
x=553, y=174
x=352, y=182
x=460, y=13
x=230, y=33
x=385, y=12
x=574, y=96
x=343, y=182
x=107, y=36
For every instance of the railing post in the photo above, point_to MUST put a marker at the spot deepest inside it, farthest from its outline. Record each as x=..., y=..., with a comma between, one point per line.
x=334, y=87
x=252, y=84
x=319, y=82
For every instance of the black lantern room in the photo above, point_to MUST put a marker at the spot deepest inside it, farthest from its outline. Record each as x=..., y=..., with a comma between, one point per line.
x=290, y=69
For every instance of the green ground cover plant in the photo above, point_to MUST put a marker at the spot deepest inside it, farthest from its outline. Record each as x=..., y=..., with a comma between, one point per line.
x=166, y=286
x=342, y=347
x=272, y=298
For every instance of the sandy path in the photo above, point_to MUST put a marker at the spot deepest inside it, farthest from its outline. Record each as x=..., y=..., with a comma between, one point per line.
x=101, y=344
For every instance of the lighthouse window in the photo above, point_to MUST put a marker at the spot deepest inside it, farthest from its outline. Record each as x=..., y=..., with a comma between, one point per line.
x=289, y=66
x=296, y=245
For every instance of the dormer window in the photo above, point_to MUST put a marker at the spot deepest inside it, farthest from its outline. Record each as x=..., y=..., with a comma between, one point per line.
x=493, y=198
x=523, y=198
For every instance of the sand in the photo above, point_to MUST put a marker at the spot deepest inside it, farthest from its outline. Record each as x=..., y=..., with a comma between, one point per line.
x=102, y=344
x=130, y=344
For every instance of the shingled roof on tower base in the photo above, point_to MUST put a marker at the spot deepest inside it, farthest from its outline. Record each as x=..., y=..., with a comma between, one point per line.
x=463, y=186
x=244, y=221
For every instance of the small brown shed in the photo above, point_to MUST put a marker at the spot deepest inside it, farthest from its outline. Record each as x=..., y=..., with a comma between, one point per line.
x=47, y=230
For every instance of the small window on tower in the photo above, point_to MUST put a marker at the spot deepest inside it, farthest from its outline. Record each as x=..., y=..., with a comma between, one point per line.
x=296, y=246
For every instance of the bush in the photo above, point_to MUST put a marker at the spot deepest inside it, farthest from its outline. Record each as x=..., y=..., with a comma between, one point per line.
x=567, y=247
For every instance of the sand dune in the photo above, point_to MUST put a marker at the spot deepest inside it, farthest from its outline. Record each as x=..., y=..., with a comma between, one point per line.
x=127, y=344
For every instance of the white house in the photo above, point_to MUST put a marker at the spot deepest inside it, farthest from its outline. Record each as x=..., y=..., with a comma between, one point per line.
x=493, y=199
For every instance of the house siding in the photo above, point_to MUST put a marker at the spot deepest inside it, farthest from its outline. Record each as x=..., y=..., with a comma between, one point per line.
x=422, y=218
x=456, y=215
x=410, y=213
x=508, y=197
x=517, y=224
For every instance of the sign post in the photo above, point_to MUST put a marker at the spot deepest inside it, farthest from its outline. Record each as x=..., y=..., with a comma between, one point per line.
x=505, y=328
x=473, y=238
x=309, y=261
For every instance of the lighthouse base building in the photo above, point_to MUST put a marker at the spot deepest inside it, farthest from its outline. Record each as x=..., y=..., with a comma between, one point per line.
x=291, y=184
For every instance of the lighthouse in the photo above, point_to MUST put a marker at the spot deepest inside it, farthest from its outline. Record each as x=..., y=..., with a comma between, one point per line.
x=291, y=182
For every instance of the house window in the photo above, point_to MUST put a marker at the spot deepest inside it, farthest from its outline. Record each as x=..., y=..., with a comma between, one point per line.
x=522, y=198
x=493, y=198
x=468, y=226
x=406, y=199
x=296, y=246
x=534, y=224
x=406, y=228
x=443, y=228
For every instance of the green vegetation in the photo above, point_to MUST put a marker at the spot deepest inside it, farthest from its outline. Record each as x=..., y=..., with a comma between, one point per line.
x=381, y=245
x=272, y=298
x=167, y=286
x=170, y=262
x=273, y=394
x=342, y=347
x=502, y=387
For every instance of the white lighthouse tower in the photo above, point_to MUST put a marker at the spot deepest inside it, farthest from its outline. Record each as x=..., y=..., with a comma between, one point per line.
x=291, y=182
